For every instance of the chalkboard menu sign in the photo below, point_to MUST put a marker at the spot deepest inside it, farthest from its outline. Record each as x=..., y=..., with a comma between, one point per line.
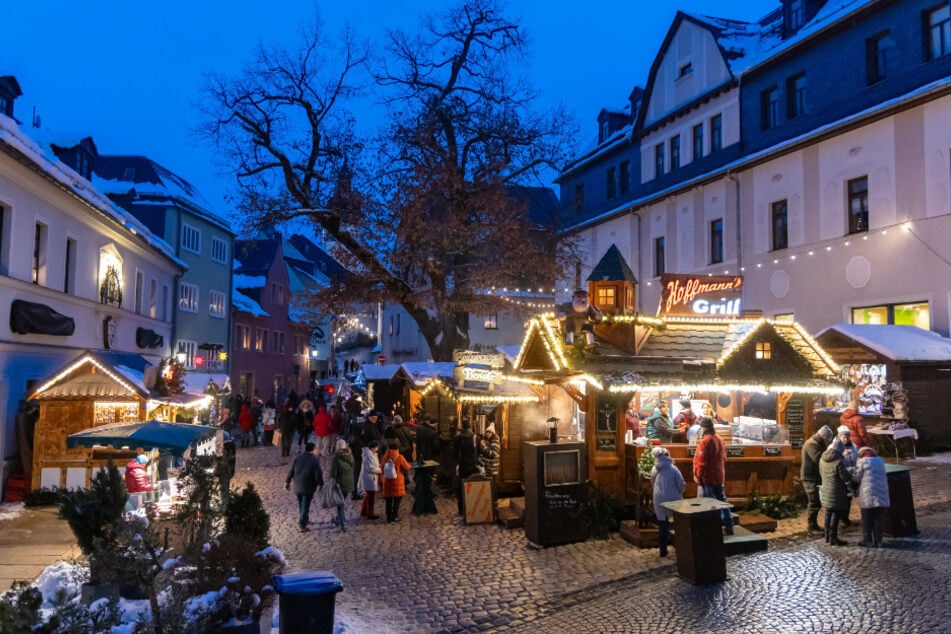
x=607, y=414
x=795, y=418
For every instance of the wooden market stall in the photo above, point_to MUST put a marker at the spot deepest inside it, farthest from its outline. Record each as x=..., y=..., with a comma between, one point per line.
x=97, y=388
x=881, y=361
x=761, y=377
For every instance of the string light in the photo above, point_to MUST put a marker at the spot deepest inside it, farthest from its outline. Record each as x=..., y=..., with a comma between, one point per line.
x=721, y=387
x=79, y=362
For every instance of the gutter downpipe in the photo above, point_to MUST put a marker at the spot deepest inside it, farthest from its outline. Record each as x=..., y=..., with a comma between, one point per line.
x=637, y=308
x=739, y=238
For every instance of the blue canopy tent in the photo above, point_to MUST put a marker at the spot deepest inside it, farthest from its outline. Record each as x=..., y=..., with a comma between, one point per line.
x=173, y=438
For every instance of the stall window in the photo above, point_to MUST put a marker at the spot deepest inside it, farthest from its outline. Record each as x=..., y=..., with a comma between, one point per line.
x=763, y=350
x=607, y=297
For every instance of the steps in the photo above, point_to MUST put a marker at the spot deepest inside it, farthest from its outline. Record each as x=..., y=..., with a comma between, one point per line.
x=512, y=515
x=17, y=488
x=743, y=541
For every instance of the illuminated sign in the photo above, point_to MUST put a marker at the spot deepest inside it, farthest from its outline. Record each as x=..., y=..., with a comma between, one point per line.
x=696, y=295
x=469, y=357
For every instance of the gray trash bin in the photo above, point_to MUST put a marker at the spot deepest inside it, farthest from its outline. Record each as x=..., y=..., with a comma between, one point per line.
x=307, y=601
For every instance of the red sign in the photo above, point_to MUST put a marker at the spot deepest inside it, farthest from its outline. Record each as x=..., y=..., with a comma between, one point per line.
x=700, y=295
x=381, y=360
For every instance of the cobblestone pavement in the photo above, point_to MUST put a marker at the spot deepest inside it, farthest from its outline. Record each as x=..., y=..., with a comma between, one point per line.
x=434, y=574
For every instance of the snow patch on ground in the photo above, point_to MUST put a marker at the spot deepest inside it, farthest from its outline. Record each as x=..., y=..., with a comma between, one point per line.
x=10, y=510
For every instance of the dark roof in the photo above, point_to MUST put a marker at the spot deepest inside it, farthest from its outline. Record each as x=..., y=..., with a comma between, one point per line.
x=694, y=340
x=316, y=256
x=255, y=256
x=542, y=202
x=612, y=268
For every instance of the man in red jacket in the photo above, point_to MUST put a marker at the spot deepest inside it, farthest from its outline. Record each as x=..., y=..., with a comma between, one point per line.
x=136, y=477
x=709, y=468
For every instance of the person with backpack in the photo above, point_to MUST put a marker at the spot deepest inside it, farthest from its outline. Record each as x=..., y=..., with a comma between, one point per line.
x=394, y=468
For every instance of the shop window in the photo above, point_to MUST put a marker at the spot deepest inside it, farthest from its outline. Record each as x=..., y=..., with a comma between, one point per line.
x=716, y=133
x=698, y=142
x=607, y=297
x=716, y=241
x=937, y=24
x=491, y=322
x=858, y=204
x=779, y=224
x=763, y=350
x=913, y=314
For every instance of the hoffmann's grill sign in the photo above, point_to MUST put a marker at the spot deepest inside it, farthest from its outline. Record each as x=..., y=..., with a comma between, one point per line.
x=700, y=295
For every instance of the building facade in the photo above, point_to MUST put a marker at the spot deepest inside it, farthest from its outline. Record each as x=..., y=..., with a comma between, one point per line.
x=807, y=152
x=77, y=272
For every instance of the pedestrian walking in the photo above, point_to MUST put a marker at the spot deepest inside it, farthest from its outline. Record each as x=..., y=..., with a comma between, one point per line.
x=322, y=431
x=812, y=451
x=709, y=468
x=288, y=425
x=304, y=419
x=269, y=422
x=357, y=443
x=394, y=467
x=834, y=492
x=246, y=424
x=464, y=452
x=370, y=473
x=427, y=440
x=669, y=486
x=307, y=478
x=341, y=472
x=872, y=482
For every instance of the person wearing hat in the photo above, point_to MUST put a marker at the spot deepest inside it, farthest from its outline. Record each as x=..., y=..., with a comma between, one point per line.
x=853, y=420
x=834, y=492
x=489, y=452
x=687, y=418
x=307, y=477
x=872, y=482
x=850, y=457
x=341, y=471
x=709, y=468
x=668, y=486
x=809, y=475
x=137, y=479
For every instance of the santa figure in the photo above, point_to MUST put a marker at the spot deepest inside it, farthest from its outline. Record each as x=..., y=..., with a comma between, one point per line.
x=579, y=317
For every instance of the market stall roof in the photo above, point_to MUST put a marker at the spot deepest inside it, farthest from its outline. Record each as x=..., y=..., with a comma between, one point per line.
x=174, y=438
x=98, y=374
x=896, y=343
x=380, y=372
x=422, y=372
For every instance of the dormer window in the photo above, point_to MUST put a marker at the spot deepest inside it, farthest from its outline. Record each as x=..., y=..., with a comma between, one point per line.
x=763, y=350
x=685, y=70
x=128, y=174
x=795, y=16
x=82, y=164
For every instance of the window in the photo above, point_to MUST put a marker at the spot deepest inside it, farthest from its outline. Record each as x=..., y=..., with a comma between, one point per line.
x=163, y=309
x=674, y=152
x=858, y=205
x=139, y=291
x=769, y=108
x=260, y=335
x=796, y=96
x=624, y=176
x=716, y=241
x=398, y=323
x=390, y=329
x=189, y=349
x=763, y=350
x=219, y=250
x=659, y=160
x=611, y=183
x=685, y=70
x=659, y=257
x=606, y=296
x=796, y=16
x=779, y=224
x=877, y=53
x=4, y=232
x=187, y=297
x=716, y=133
x=243, y=336
x=579, y=198
x=491, y=322
x=191, y=238
x=278, y=342
x=216, y=304
x=40, y=236
x=937, y=23
x=69, y=270
x=698, y=142
x=82, y=164
x=153, y=298
x=914, y=314
x=128, y=174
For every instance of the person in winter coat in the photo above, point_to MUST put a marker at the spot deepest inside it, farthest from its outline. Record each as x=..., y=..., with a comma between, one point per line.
x=872, y=482
x=709, y=469
x=405, y=436
x=687, y=418
x=357, y=442
x=305, y=422
x=659, y=425
x=341, y=471
x=288, y=422
x=489, y=452
x=370, y=480
x=137, y=479
x=394, y=488
x=850, y=456
x=245, y=423
x=321, y=426
x=306, y=475
x=336, y=424
x=809, y=475
x=427, y=441
x=668, y=486
x=853, y=420
x=269, y=422
x=464, y=452
x=834, y=492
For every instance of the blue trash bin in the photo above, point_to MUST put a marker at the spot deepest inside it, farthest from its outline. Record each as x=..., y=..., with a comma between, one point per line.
x=307, y=601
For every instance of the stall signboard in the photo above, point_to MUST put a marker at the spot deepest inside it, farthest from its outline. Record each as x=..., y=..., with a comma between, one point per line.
x=795, y=420
x=468, y=357
x=700, y=295
x=478, y=501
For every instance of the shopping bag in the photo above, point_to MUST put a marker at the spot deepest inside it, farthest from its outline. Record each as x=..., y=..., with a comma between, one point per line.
x=330, y=495
x=277, y=438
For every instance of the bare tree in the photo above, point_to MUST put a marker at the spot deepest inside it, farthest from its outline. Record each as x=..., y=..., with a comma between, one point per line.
x=427, y=218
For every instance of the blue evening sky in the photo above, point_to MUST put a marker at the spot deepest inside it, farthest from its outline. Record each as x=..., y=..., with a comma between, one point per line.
x=128, y=73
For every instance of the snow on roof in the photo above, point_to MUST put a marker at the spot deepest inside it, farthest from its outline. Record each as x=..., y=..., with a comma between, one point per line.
x=423, y=371
x=510, y=352
x=899, y=343
x=249, y=281
x=133, y=376
x=44, y=159
x=245, y=304
x=380, y=372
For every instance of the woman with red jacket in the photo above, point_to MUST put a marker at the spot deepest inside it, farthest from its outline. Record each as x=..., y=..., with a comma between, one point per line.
x=394, y=487
x=853, y=420
x=136, y=477
x=709, y=468
x=245, y=423
x=322, y=431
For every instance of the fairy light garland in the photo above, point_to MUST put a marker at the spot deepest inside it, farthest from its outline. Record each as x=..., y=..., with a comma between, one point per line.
x=717, y=387
x=815, y=346
x=79, y=362
x=740, y=342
